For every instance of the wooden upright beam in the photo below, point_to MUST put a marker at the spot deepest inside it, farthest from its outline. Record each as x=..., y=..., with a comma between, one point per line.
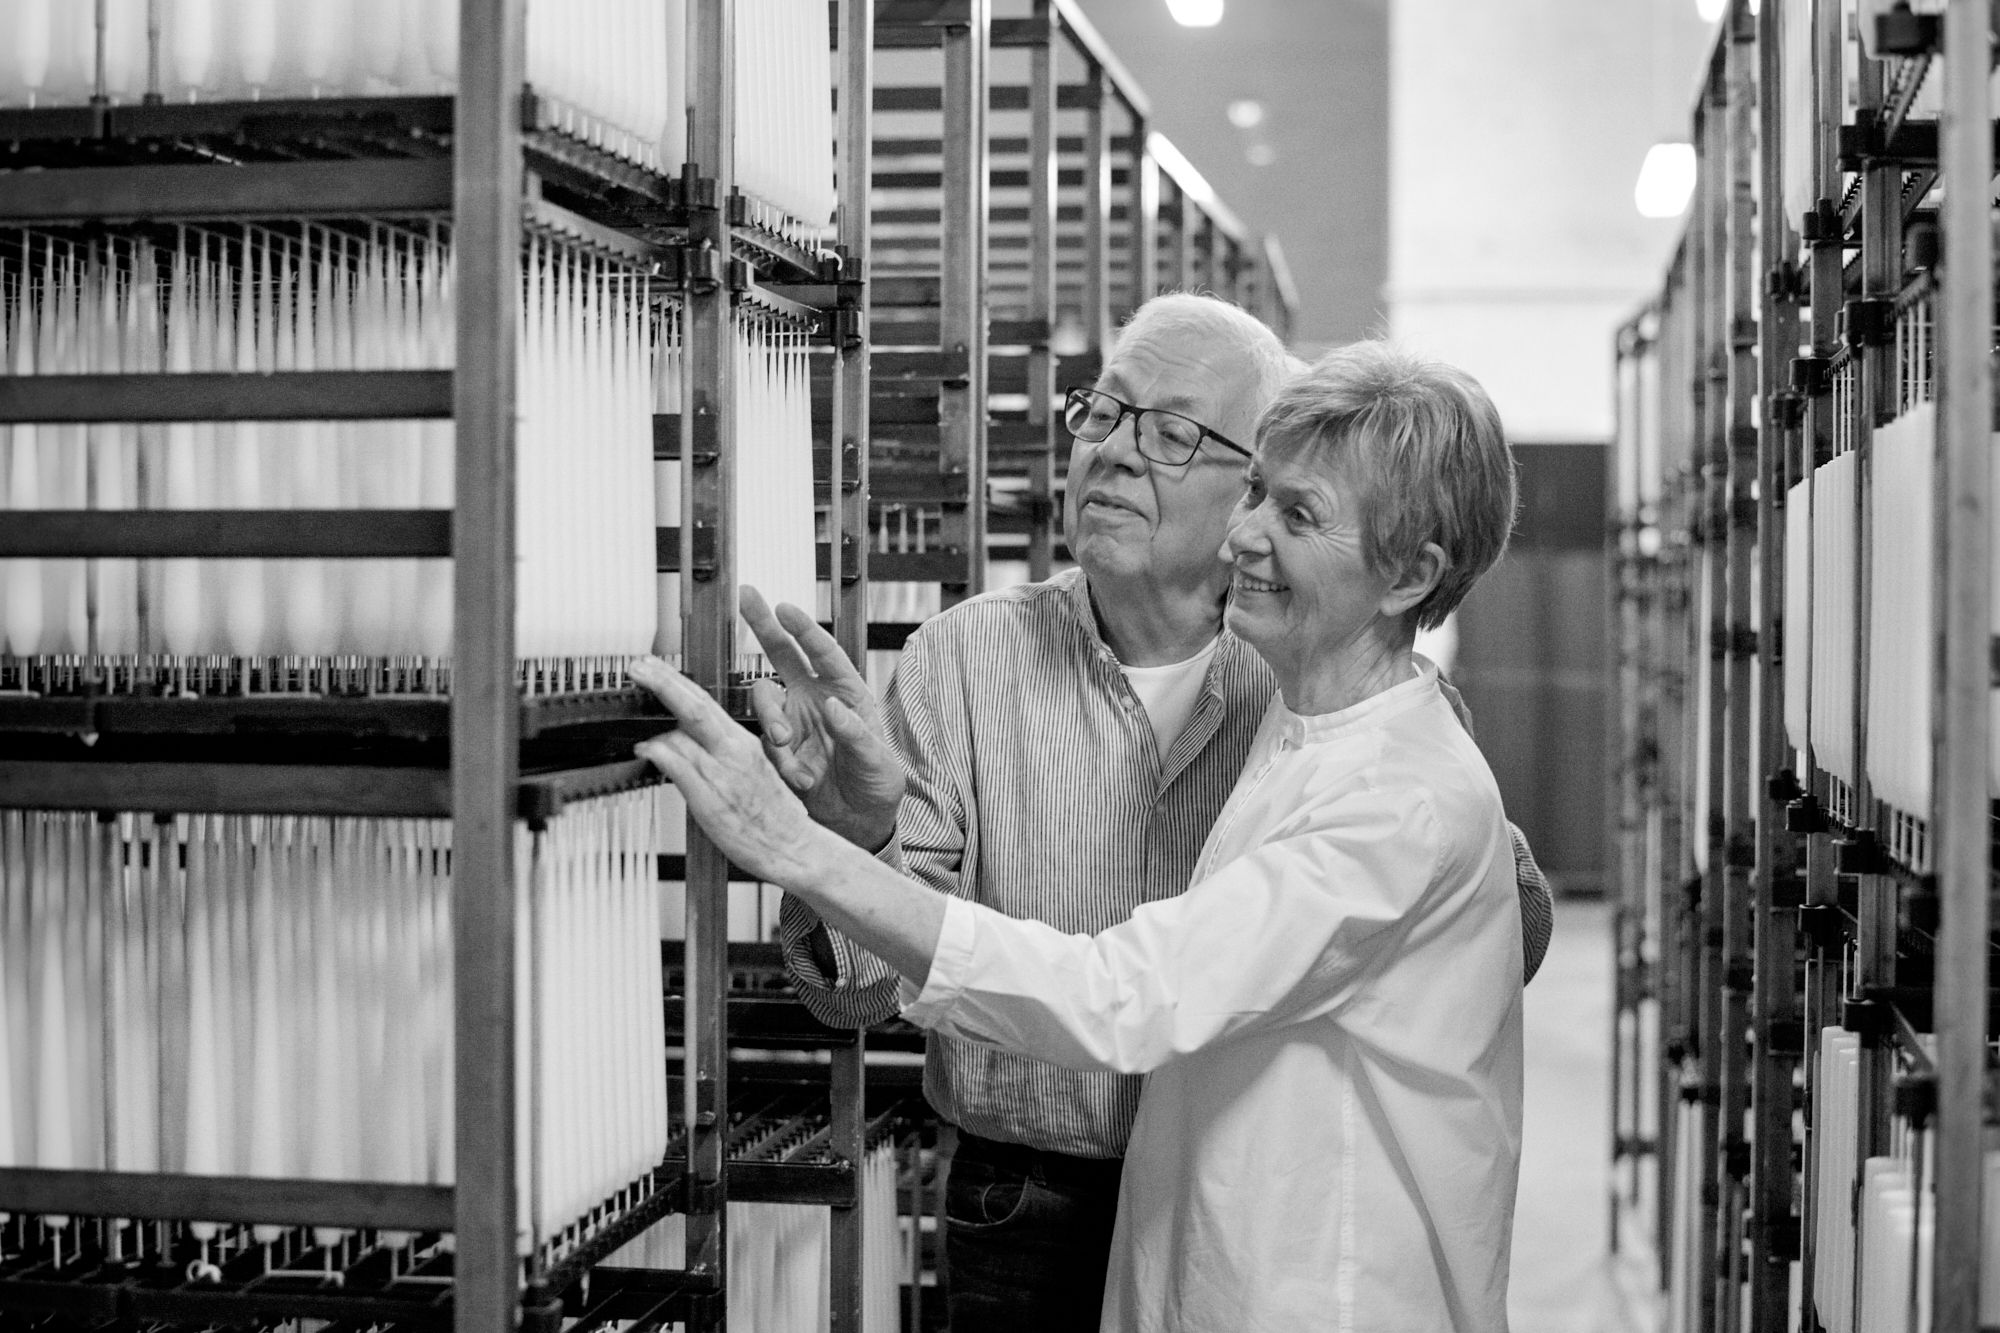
x=488, y=190
x=1962, y=836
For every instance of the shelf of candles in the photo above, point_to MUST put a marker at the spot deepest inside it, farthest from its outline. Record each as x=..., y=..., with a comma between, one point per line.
x=99, y=1272
x=767, y=241
x=378, y=155
x=284, y=1250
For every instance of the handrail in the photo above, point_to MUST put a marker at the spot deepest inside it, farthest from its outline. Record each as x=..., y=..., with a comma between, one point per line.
x=1088, y=43
x=1194, y=186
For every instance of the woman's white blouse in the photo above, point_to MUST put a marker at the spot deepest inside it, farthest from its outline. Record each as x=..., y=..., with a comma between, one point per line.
x=1331, y=1020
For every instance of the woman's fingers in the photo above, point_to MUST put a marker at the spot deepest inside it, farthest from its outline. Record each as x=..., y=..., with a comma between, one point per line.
x=700, y=716
x=674, y=755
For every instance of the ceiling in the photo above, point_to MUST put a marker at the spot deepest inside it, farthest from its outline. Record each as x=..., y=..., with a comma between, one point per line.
x=1320, y=70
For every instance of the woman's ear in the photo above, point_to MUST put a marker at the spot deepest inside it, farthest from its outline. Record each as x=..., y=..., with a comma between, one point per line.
x=1416, y=581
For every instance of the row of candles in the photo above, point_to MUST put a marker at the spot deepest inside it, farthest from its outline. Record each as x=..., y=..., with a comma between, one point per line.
x=612, y=62
x=781, y=1257
x=599, y=356
x=613, y=71
x=271, y=997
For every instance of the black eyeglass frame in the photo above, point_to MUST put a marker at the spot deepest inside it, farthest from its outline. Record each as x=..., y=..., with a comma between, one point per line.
x=1081, y=395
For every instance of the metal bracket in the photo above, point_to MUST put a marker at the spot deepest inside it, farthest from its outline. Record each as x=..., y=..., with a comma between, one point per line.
x=701, y=557
x=1787, y=409
x=1812, y=376
x=697, y=190
x=1866, y=1016
x=1902, y=32
x=1916, y=1097
x=701, y=268
x=1823, y=925
x=1785, y=1037
x=1858, y=855
x=1786, y=282
x=1821, y=225
x=1868, y=322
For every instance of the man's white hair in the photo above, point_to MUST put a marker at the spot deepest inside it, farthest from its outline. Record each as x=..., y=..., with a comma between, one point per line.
x=1228, y=327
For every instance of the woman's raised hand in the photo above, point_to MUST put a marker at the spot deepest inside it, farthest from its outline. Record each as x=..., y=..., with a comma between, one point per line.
x=730, y=789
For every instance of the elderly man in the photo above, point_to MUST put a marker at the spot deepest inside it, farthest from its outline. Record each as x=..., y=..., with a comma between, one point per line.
x=1067, y=746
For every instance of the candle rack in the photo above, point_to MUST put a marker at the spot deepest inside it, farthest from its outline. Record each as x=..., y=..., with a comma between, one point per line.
x=1805, y=830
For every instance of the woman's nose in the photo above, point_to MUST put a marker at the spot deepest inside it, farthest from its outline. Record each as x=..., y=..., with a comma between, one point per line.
x=1246, y=535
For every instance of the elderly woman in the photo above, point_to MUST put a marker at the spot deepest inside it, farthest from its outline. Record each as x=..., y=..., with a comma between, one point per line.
x=1330, y=1016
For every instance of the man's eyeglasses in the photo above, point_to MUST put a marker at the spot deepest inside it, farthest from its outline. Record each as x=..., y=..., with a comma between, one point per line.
x=1164, y=437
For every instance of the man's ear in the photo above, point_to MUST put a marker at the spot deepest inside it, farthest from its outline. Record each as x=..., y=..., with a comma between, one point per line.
x=1416, y=581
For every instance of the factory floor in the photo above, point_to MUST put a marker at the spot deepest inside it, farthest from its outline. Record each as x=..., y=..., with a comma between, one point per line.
x=1565, y=1278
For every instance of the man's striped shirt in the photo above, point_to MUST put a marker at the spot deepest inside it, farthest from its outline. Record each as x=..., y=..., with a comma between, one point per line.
x=1038, y=788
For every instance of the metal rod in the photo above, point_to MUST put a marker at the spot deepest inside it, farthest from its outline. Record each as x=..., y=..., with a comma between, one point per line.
x=488, y=193
x=1962, y=833
x=1041, y=367
x=1737, y=453
x=711, y=631
x=1143, y=180
x=849, y=472
x=226, y=788
x=323, y=1203
x=1096, y=218
x=143, y=534
x=962, y=304
x=289, y=395
x=185, y=193
x=1775, y=883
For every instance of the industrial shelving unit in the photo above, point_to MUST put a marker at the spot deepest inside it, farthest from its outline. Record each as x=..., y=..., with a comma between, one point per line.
x=495, y=163
x=1805, y=838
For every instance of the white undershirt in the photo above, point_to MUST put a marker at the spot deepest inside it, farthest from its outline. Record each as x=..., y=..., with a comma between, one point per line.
x=1170, y=692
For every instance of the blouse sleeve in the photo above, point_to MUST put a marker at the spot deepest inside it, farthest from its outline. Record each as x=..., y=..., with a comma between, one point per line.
x=1286, y=933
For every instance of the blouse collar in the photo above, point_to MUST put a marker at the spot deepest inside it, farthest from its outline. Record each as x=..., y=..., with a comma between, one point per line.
x=1312, y=729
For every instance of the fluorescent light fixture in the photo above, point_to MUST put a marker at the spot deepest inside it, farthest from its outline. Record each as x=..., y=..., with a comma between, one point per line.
x=1710, y=10
x=1246, y=113
x=1666, y=181
x=1196, y=13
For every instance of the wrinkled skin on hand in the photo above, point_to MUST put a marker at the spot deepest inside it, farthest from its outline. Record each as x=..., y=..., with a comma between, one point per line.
x=731, y=789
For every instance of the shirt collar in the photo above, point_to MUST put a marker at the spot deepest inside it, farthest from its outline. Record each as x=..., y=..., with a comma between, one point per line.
x=1228, y=648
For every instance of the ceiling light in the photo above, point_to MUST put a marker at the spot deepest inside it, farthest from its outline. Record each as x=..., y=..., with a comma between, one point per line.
x=1666, y=181
x=1246, y=113
x=1710, y=10
x=1196, y=13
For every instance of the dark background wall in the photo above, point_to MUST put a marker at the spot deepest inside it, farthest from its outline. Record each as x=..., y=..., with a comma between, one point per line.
x=1533, y=638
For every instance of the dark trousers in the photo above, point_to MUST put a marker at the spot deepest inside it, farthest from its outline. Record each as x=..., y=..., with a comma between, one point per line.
x=1027, y=1237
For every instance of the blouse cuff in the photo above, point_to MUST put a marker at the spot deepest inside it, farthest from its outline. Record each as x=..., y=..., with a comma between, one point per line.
x=951, y=965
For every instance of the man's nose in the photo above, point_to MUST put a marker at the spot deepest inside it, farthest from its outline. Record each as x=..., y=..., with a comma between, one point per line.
x=1121, y=447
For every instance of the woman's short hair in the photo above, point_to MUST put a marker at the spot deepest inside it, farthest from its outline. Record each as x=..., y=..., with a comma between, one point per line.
x=1425, y=447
